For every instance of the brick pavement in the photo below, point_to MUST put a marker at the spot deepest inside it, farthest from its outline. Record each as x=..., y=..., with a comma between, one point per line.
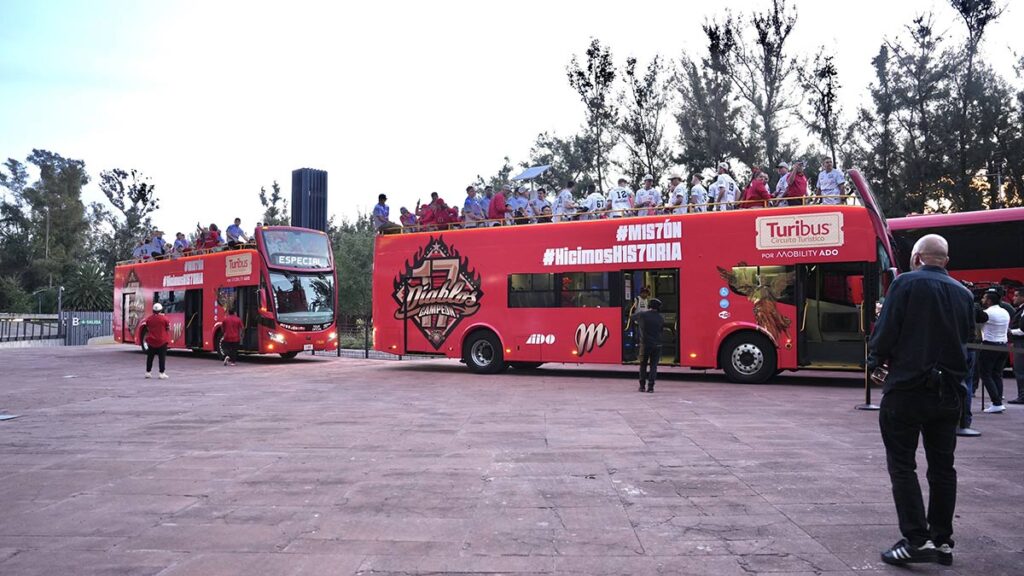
x=324, y=466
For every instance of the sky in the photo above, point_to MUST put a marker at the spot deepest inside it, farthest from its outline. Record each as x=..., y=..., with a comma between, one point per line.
x=214, y=99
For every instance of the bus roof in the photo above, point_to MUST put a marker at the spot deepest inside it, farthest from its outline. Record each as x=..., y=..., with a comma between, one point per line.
x=957, y=219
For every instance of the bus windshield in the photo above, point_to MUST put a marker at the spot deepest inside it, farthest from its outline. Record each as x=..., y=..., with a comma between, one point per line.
x=303, y=298
x=297, y=248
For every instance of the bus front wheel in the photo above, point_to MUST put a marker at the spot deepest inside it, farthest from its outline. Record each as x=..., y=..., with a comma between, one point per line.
x=218, y=345
x=748, y=357
x=289, y=355
x=483, y=353
x=142, y=340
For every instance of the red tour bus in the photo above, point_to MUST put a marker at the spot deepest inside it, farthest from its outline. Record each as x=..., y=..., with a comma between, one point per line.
x=986, y=247
x=282, y=288
x=751, y=291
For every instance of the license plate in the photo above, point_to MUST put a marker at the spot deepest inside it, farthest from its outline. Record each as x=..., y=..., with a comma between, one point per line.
x=307, y=347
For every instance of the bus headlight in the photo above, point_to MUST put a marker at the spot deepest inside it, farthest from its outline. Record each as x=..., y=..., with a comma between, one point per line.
x=279, y=338
x=332, y=336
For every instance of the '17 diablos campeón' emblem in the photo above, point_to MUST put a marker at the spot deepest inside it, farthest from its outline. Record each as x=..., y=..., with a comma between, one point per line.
x=436, y=291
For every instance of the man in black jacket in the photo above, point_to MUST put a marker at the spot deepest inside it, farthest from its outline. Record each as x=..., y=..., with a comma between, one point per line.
x=922, y=334
x=651, y=323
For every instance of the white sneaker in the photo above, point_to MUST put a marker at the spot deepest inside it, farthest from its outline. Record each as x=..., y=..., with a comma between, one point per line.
x=149, y=375
x=164, y=376
x=995, y=409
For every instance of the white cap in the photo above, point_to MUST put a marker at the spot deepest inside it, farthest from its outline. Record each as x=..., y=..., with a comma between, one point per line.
x=648, y=177
x=782, y=164
x=723, y=165
x=158, y=307
x=674, y=176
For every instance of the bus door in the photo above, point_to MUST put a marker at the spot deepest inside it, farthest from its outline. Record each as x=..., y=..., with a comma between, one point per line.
x=663, y=285
x=126, y=306
x=194, y=318
x=831, y=299
x=247, y=306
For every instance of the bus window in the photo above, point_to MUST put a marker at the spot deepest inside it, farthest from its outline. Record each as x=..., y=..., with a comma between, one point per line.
x=173, y=301
x=566, y=290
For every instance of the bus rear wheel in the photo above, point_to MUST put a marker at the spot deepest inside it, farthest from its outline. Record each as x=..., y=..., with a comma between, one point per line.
x=748, y=357
x=289, y=355
x=218, y=345
x=142, y=340
x=483, y=354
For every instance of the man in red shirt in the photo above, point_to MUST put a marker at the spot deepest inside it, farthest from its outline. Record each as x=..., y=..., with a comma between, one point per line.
x=756, y=195
x=796, y=189
x=158, y=336
x=498, y=209
x=231, y=337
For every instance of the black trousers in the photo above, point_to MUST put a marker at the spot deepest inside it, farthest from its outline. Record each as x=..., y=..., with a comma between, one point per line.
x=231, y=350
x=153, y=351
x=990, y=366
x=649, y=358
x=905, y=416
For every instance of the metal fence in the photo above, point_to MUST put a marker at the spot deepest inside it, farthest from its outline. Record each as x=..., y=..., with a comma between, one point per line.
x=71, y=328
x=79, y=327
x=355, y=340
x=21, y=327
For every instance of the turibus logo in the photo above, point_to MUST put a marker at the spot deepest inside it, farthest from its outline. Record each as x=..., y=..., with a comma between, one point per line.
x=541, y=339
x=800, y=231
x=238, y=265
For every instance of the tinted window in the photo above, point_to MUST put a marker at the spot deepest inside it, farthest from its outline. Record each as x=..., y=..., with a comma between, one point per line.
x=566, y=290
x=971, y=247
x=303, y=298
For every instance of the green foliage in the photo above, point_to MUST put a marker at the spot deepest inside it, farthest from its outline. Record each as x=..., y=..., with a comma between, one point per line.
x=89, y=287
x=594, y=82
x=642, y=128
x=352, y=242
x=134, y=198
x=13, y=297
x=275, y=206
x=570, y=159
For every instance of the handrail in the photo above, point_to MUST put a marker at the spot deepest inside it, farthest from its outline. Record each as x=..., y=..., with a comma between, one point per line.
x=666, y=210
x=191, y=252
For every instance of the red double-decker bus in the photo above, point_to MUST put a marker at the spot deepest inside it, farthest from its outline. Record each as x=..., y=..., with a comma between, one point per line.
x=751, y=291
x=986, y=247
x=282, y=288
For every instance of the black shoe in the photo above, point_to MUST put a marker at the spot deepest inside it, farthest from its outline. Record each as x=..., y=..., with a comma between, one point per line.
x=904, y=552
x=641, y=387
x=944, y=555
x=650, y=389
x=1016, y=401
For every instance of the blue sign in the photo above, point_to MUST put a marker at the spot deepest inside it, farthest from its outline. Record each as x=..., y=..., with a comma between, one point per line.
x=724, y=303
x=723, y=291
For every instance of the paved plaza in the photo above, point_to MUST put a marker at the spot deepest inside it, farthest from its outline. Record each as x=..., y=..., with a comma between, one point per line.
x=325, y=466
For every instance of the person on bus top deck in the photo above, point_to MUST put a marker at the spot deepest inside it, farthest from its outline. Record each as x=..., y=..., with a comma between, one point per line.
x=698, y=194
x=564, y=203
x=380, y=218
x=472, y=213
x=158, y=242
x=648, y=198
x=408, y=219
x=921, y=334
x=677, y=195
x=139, y=252
x=756, y=195
x=831, y=183
x=497, y=210
x=485, y=198
x=236, y=236
x=158, y=337
x=796, y=186
x=620, y=200
x=231, y=337
x=538, y=204
x=180, y=242
x=650, y=324
x=724, y=189
x=517, y=206
x=254, y=230
x=780, y=186
x=594, y=203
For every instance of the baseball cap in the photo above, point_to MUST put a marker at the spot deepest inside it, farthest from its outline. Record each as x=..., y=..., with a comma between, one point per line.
x=782, y=164
x=158, y=307
x=648, y=177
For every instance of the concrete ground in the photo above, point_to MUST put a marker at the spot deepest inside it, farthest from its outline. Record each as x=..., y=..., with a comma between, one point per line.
x=325, y=466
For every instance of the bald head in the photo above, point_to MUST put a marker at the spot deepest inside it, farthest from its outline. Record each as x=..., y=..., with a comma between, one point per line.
x=932, y=250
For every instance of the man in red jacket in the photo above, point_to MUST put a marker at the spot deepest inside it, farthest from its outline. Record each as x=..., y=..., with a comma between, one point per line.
x=796, y=188
x=498, y=209
x=756, y=195
x=158, y=336
x=231, y=338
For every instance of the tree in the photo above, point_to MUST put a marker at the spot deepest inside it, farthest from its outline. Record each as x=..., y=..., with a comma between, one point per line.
x=570, y=158
x=134, y=197
x=13, y=297
x=645, y=103
x=762, y=73
x=822, y=82
x=594, y=83
x=709, y=123
x=89, y=287
x=878, y=150
x=502, y=177
x=275, y=206
x=353, y=254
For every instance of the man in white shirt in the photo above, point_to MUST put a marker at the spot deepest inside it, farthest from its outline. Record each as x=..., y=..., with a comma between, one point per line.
x=677, y=197
x=595, y=204
x=780, y=186
x=723, y=190
x=698, y=195
x=831, y=183
x=564, y=203
x=620, y=199
x=648, y=198
x=538, y=202
x=991, y=362
x=517, y=206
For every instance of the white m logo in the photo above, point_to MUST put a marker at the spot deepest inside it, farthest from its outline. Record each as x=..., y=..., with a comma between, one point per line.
x=590, y=335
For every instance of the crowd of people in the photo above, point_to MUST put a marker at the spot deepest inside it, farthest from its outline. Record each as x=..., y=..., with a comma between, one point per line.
x=522, y=205
x=206, y=238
